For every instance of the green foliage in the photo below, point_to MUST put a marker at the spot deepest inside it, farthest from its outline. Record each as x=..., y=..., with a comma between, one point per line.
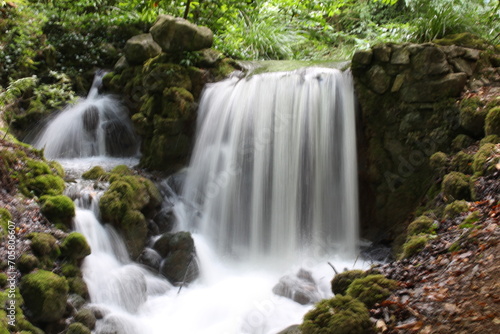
x=371, y=289
x=339, y=315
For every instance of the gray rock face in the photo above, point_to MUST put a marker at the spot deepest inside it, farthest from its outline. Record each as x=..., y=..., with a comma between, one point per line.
x=177, y=34
x=140, y=48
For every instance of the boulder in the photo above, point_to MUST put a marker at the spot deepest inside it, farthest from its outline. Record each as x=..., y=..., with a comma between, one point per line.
x=150, y=258
x=300, y=288
x=140, y=48
x=450, y=85
x=177, y=34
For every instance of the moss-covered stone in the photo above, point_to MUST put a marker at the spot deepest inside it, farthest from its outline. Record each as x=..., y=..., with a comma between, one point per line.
x=472, y=116
x=75, y=246
x=339, y=315
x=27, y=262
x=86, y=317
x=456, y=186
x=78, y=328
x=462, y=162
x=46, y=185
x=78, y=286
x=341, y=281
x=455, y=208
x=122, y=170
x=461, y=141
x=371, y=289
x=492, y=123
x=160, y=76
x=135, y=229
x=483, y=164
x=96, y=173
x=5, y=217
x=470, y=220
x=3, y=280
x=465, y=39
x=177, y=103
x=491, y=139
x=69, y=269
x=56, y=168
x=44, y=244
x=414, y=245
x=58, y=209
x=422, y=224
x=439, y=161
x=45, y=295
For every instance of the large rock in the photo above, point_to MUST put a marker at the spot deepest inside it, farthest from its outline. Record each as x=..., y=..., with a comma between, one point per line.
x=300, y=288
x=177, y=34
x=140, y=48
x=434, y=90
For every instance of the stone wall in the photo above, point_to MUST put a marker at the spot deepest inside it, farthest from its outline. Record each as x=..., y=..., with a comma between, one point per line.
x=408, y=99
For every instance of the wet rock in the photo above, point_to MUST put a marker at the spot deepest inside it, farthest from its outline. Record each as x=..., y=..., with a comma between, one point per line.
x=294, y=329
x=140, y=48
x=165, y=220
x=91, y=119
x=120, y=140
x=300, y=288
x=431, y=91
x=382, y=53
x=177, y=34
x=379, y=79
x=150, y=258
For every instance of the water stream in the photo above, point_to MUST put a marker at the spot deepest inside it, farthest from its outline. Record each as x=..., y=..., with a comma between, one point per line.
x=271, y=189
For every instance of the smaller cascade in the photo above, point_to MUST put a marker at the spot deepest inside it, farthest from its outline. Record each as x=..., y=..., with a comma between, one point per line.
x=95, y=126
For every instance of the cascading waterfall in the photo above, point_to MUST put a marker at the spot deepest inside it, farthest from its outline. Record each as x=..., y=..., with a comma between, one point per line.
x=274, y=166
x=273, y=176
x=95, y=126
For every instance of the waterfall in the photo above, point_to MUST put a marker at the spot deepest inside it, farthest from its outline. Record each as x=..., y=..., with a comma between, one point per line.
x=273, y=170
x=96, y=126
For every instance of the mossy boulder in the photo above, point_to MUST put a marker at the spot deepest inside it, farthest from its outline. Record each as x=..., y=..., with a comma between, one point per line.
x=58, y=209
x=5, y=217
x=126, y=203
x=371, y=289
x=44, y=244
x=46, y=185
x=3, y=280
x=96, y=173
x=438, y=161
x=27, y=262
x=414, y=245
x=159, y=76
x=69, y=269
x=45, y=295
x=75, y=246
x=78, y=328
x=341, y=281
x=78, y=286
x=339, y=315
x=492, y=123
x=455, y=208
x=86, y=317
x=483, y=162
x=465, y=39
x=461, y=141
x=462, y=162
x=422, y=224
x=490, y=139
x=472, y=116
x=456, y=186
x=179, y=257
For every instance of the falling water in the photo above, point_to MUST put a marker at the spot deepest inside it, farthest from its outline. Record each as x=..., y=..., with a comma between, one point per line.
x=95, y=126
x=273, y=175
x=273, y=171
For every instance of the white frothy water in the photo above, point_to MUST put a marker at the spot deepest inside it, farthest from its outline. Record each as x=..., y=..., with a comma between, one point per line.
x=273, y=182
x=95, y=126
x=274, y=166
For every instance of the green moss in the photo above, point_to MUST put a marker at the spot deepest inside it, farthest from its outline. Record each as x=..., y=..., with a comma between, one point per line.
x=483, y=164
x=491, y=139
x=44, y=244
x=46, y=185
x=70, y=270
x=414, y=245
x=112, y=206
x=177, y=103
x=470, y=220
x=56, y=168
x=462, y=162
x=339, y=315
x=135, y=230
x=58, y=209
x=438, y=161
x=456, y=186
x=461, y=141
x=122, y=170
x=37, y=168
x=78, y=328
x=422, y=224
x=78, y=286
x=96, y=173
x=465, y=39
x=75, y=246
x=492, y=123
x=45, y=295
x=341, y=281
x=455, y=208
x=5, y=217
x=472, y=116
x=3, y=280
x=86, y=317
x=27, y=262
x=371, y=289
